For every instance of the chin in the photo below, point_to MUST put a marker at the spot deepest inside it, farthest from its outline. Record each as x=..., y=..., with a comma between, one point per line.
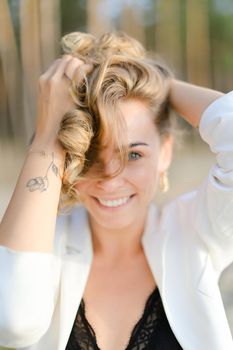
x=113, y=224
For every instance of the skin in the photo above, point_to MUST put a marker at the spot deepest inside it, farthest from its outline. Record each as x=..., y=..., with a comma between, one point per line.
x=119, y=264
x=29, y=224
x=118, y=230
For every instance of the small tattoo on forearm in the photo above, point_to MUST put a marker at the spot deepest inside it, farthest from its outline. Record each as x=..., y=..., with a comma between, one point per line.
x=42, y=183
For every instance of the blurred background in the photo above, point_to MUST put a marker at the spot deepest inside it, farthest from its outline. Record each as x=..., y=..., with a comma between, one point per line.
x=194, y=37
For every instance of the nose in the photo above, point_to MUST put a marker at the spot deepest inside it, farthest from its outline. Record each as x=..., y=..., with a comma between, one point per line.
x=111, y=184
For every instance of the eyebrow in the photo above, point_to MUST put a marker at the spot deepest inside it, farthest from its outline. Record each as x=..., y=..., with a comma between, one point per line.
x=135, y=144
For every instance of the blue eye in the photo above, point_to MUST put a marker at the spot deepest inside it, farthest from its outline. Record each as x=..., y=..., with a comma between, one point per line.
x=134, y=155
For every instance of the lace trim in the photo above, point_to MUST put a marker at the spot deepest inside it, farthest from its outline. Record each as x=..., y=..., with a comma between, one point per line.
x=144, y=329
x=83, y=334
x=89, y=328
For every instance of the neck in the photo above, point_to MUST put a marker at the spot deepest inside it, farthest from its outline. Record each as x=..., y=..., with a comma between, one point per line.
x=115, y=244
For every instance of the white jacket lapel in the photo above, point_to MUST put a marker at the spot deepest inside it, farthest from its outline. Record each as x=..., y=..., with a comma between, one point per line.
x=75, y=270
x=153, y=243
x=191, y=296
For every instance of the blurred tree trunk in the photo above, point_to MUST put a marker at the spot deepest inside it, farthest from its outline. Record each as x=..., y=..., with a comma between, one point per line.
x=168, y=39
x=39, y=33
x=31, y=58
x=11, y=72
x=3, y=106
x=222, y=73
x=131, y=25
x=198, y=42
x=50, y=31
x=97, y=20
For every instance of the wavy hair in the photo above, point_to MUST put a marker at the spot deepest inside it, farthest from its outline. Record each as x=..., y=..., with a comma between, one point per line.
x=122, y=70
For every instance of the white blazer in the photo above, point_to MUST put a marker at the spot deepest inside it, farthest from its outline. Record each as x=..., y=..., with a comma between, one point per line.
x=187, y=244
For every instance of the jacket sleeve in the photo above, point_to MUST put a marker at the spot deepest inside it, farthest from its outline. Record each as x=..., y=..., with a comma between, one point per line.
x=27, y=296
x=214, y=205
x=29, y=290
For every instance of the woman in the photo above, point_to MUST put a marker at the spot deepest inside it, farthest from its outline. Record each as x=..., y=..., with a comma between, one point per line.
x=104, y=138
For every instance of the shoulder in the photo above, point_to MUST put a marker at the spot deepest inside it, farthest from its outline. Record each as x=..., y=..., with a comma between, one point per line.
x=172, y=219
x=182, y=204
x=178, y=218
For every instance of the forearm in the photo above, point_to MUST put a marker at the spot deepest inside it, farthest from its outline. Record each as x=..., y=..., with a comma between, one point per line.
x=190, y=101
x=29, y=221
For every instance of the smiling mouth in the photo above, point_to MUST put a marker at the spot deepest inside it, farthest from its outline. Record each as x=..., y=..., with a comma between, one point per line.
x=113, y=203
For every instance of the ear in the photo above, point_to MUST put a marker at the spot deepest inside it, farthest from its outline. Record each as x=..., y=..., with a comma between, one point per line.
x=165, y=155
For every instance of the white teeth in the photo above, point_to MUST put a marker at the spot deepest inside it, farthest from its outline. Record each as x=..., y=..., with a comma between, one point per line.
x=114, y=203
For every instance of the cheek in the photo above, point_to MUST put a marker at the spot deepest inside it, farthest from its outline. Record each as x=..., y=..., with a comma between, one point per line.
x=82, y=188
x=144, y=176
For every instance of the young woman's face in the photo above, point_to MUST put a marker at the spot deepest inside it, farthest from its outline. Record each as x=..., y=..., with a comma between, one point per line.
x=120, y=201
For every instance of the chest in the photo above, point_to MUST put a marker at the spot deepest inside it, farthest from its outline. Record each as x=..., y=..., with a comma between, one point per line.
x=115, y=298
x=174, y=268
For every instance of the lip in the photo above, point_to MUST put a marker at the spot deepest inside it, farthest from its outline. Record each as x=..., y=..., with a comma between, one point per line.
x=113, y=208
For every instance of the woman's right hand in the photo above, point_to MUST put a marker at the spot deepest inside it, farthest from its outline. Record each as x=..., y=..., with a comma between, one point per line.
x=54, y=98
x=30, y=219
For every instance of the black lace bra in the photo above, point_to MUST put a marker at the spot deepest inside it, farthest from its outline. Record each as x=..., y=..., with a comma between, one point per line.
x=151, y=332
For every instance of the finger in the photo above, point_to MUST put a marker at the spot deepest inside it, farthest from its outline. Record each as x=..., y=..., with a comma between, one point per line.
x=88, y=68
x=50, y=71
x=72, y=66
x=54, y=66
x=81, y=72
x=61, y=68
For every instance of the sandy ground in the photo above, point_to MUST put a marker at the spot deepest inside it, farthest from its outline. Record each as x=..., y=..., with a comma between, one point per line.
x=190, y=166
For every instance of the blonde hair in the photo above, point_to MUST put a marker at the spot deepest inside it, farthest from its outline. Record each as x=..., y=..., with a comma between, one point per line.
x=122, y=70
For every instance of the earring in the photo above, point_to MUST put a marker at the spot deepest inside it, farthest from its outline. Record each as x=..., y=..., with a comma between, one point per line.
x=164, y=182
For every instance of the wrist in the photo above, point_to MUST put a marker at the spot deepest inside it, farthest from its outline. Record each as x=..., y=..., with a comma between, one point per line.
x=49, y=156
x=47, y=147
